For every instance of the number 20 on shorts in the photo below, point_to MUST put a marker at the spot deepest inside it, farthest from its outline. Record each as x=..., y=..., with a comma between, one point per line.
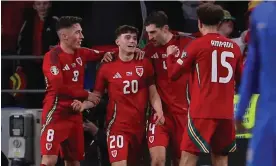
x=116, y=141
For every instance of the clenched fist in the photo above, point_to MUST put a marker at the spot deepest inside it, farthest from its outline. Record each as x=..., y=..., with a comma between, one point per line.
x=172, y=49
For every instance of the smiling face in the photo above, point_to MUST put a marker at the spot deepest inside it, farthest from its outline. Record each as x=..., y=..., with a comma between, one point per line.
x=73, y=36
x=127, y=42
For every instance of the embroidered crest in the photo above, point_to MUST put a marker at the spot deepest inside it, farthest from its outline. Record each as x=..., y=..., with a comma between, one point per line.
x=114, y=153
x=151, y=139
x=79, y=61
x=49, y=146
x=139, y=70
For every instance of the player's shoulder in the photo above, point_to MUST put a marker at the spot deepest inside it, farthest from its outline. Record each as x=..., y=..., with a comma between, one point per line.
x=184, y=36
x=149, y=46
x=53, y=55
x=146, y=61
x=114, y=63
x=231, y=42
x=194, y=41
x=104, y=65
x=220, y=41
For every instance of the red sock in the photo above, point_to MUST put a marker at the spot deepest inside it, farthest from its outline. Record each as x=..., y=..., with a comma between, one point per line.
x=43, y=165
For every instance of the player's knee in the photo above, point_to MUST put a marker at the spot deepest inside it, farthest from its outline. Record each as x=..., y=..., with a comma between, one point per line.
x=71, y=163
x=120, y=163
x=158, y=156
x=49, y=160
x=188, y=158
x=219, y=160
x=158, y=160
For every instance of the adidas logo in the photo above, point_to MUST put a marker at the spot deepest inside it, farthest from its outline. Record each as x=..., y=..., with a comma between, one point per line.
x=117, y=75
x=66, y=67
x=155, y=56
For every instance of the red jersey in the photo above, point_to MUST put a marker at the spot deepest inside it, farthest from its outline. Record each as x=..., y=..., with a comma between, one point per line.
x=173, y=93
x=215, y=63
x=127, y=84
x=64, y=75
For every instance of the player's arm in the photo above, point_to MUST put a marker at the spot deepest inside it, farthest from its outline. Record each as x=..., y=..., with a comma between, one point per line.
x=250, y=73
x=183, y=64
x=153, y=94
x=155, y=99
x=81, y=106
x=156, y=104
x=53, y=73
x=94, y=55
x=98, y=91
x=101, y=81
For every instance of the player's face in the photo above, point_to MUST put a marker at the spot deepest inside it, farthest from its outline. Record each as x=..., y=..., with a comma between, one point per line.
x=75, y=36
x=42, y=7
x=127, y=42
x=226, y=27
x=156, y=35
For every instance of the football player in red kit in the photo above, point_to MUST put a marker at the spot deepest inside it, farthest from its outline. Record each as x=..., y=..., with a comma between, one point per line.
x=63, y=68
x=174, y=94
x=130, y=85
x=215, y=63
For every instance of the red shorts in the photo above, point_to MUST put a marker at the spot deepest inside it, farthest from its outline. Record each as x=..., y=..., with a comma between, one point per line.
x=209, y=135
x=125, y=146
x=62, y=135
x=172, y=130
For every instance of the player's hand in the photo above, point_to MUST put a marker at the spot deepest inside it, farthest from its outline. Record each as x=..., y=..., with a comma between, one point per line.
x=172, y=49
x=159, y=118
x=94, y=98
x=240, y=127
x=108, y=57
x=139, y=54
x=77, y=105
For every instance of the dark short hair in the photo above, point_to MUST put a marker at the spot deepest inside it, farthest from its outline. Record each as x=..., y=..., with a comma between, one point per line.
x=158, y=18
x=126, y=29
x=67, y=22
x=210, y=14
